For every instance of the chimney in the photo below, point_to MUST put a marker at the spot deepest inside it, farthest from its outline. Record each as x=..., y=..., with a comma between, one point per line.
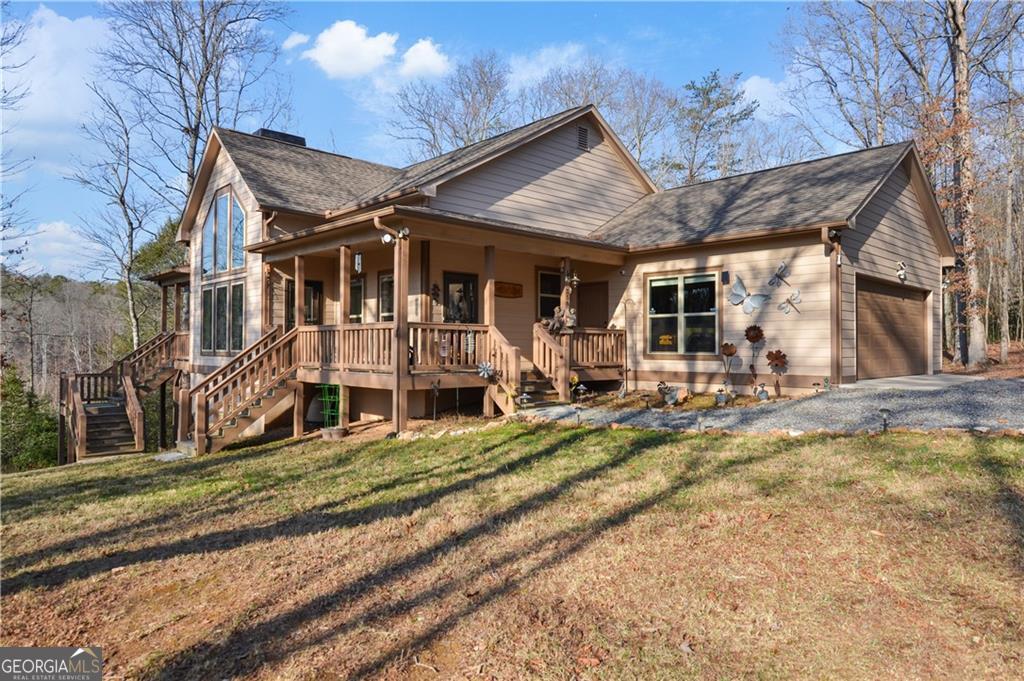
x=281, y=136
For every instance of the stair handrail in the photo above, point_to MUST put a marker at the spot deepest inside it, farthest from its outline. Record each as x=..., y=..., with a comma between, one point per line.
x=507, y=358
x=557, y=371
x=239, y=360
x=76, y=422
x=203, y=397
x=133, y=409
x=161, y=343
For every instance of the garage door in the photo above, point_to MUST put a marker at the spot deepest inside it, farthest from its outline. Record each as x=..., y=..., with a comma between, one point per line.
x=891, y=334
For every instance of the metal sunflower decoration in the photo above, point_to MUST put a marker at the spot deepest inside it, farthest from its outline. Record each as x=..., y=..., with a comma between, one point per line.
x=777, y=363
x=754, y=334
x=728, y=352
x=777, y=360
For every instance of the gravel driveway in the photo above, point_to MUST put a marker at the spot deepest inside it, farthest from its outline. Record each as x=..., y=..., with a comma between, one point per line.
x=987, y=404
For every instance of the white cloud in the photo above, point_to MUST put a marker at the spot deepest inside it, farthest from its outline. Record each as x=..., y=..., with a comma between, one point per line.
x=56, y=248
x=770, y=95
x=294, y=40
x=529, y=69
x=60, y=60
x=345, y=50
x=424, y=60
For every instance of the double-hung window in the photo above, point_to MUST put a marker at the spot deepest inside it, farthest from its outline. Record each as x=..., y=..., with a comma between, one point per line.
x=682, y=314
x=222, y=292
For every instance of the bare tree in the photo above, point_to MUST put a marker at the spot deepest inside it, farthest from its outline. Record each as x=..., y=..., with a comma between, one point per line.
x=13, y=233
x=190, y=66
x=470, y=104
x=708, y=116
x=125, y=223
x=847, y=79
x=642, y=116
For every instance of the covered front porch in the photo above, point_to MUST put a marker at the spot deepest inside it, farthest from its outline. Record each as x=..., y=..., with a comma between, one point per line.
x=418, y=301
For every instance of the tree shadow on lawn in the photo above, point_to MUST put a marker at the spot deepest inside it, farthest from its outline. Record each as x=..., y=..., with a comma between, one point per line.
x=246, y=649
x=1008, y=496
x=317, y=519
x=99, y=484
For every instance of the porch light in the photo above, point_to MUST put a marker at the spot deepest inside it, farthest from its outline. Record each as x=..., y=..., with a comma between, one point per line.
x=572, y=280
x=357, y=262
x=387, y=239
x=901, y=271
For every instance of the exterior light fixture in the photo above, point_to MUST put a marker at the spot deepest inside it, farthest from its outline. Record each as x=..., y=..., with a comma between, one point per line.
x=573, y=280
x=901, y=271
x=387, y=239
x=357, y=262
x=886, y=414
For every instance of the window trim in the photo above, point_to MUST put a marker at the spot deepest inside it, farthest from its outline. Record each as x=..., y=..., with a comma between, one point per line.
x=647, y=354
x=315, y=285
x=538, y=270
x=211, y=287
x=361, y=280
x=380, y=310
x=216, y=274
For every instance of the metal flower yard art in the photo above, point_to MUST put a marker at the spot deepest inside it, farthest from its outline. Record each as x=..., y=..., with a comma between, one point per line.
x=777, y=364
x=755, y=336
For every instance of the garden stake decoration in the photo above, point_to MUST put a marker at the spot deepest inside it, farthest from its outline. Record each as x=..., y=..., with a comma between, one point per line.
x=755, y=336
x=728, y=352
x=762, y=392
x=779, y=278
x=790, y=302
x=777, y=364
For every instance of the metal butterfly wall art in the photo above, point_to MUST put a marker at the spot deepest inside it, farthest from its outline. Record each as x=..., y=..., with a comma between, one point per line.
x=740, y=296
x=791, y=302
x=779, y=278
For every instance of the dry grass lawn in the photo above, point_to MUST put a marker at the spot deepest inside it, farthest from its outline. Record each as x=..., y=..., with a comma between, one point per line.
x=529, y=551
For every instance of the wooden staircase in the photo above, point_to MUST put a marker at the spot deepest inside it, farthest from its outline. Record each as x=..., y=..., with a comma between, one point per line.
x=257, y=384
x=101, y=413
x=536, y=390
x=110, y=430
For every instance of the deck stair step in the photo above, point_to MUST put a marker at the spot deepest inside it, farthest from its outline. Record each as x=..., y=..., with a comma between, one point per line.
x=538, y=390
x=108, y=429
x=266, y=400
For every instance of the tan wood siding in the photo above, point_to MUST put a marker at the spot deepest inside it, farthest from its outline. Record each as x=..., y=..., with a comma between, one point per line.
x=549, y=183
x=225, y=173
x=889, y=229
x=803, y=336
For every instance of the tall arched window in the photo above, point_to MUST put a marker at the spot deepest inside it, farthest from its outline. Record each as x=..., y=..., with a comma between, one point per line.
x=223, y=263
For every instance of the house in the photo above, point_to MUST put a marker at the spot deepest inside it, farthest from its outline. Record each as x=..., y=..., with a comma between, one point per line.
x=410, y=287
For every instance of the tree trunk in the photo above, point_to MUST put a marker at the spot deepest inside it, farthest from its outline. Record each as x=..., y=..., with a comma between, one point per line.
x=963, y=176
x=1004, y=278
x=133, y=315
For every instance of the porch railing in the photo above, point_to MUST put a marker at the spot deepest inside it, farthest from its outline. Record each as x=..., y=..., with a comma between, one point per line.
x=448, y=347
x=595, y=347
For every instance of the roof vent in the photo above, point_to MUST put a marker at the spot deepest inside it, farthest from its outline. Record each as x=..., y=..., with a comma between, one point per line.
x=280, y=136
x=583, y=137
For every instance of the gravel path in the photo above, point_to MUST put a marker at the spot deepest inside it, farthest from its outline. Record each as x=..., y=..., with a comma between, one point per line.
x=988, y=404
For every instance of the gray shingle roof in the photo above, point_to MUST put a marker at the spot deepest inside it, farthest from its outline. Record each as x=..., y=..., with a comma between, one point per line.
x=307, y=180
x=288, y=176
x=824, y=190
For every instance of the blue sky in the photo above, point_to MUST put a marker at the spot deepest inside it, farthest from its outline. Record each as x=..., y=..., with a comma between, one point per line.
x=343, y=74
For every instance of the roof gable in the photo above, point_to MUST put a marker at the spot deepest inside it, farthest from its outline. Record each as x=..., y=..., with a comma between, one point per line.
x=423, y=177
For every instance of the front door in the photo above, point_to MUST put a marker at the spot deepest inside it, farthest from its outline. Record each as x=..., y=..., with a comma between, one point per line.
x=592, y=304
x=460, y=298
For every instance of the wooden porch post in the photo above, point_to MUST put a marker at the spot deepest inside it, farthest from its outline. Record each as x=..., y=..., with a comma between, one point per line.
x=177, y=307
x=490, y=266
x=426, y=309
x=344, y=310
x=299, y=411
x=163, y=416
x=300, y=290
x=400, y=342
x=184, y=407
x=200, y=437
x=267, y=309
x=565, y=340
x=163, y=309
